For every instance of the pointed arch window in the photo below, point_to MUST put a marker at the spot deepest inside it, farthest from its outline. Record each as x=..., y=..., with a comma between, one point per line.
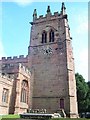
x=44, y=37
x=51, y=36
x=24, y=91
x=5, y=95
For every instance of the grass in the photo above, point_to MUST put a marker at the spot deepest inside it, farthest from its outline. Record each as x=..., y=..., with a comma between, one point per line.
x=10, y=117
x=15, y=117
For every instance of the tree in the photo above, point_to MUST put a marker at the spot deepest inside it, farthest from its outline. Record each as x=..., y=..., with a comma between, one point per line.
x=82, y=93
x=88, y=97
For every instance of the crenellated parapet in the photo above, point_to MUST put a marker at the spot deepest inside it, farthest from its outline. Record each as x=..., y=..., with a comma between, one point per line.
x=49, y=15
x=42, y=18
x=15, y=59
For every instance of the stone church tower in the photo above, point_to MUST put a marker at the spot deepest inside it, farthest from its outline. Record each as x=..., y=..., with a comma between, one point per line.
x=50, y=58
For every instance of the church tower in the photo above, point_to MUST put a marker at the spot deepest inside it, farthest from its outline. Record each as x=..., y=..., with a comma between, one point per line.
x=51, y=60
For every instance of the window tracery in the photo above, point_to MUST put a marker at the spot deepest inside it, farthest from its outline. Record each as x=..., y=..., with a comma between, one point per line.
x=24, y=91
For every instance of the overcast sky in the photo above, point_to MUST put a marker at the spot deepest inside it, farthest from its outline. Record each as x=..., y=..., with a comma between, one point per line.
x=15, y=33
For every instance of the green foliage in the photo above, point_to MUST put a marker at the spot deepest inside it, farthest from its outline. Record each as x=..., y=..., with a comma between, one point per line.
x=88, y=97
x=83, y=94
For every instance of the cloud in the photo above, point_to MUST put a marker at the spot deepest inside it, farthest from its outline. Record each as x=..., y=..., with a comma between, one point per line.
x=23, y=2
x=57, y=0
x=81, y=44
x=82, y=63
x=82, y=24
x=19, y=2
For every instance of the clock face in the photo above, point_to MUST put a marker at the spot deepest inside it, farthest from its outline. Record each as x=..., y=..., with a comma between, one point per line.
x=48, y=50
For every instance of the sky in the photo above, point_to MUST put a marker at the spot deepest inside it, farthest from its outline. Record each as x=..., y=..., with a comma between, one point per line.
x=15, y=28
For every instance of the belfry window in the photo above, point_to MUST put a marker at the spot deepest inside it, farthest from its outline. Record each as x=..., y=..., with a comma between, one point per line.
x=51, y=36
x=44, y=37
x=24, y=91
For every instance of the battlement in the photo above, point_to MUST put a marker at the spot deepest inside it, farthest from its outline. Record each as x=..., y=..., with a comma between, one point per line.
x=14, y=57
x=48, y=15
x=14, y=60
x=42, y=18
x=51, y=15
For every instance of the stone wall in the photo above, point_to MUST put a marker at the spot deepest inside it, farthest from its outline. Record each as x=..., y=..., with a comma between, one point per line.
x=6, y=83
